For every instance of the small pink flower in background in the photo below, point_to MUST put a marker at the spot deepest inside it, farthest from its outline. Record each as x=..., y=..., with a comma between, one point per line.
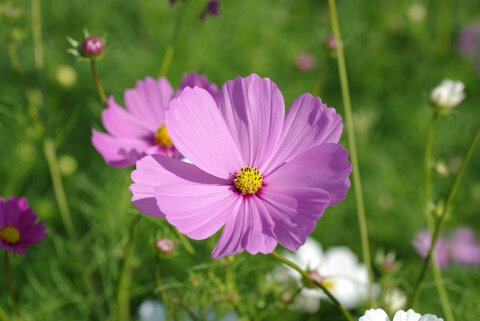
x=164, y=245
x=464, y=246
x=461, y=246
x=422, y=244
x=305, y=62
x=265, y=176
x=211, y=8
x=17, y=225
x=140, y=129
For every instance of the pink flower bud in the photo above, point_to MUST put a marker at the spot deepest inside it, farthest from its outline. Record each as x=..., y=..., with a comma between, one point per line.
x=92, y=46
x=314, y=275
x=164, y=245
x=305, y=62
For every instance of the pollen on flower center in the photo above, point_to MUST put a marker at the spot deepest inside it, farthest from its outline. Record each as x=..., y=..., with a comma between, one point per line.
x=162, y=138
x=248, y=180
x=10, y=234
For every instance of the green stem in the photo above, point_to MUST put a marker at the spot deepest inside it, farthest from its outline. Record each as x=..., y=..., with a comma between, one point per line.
x=51, y=156
x=322, y=76
x=444, y=25
x=167, y=59
x=10, y=288
x=441, y=220
x=161, y=294
x=307, y=277
x=98, y=85
x=428, y=164
x=37, y=44
x=442, y=292
x=123, y=291
x=184, y=241
x=353, y=151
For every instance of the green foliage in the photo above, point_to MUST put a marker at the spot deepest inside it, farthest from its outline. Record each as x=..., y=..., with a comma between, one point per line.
x=392, y=64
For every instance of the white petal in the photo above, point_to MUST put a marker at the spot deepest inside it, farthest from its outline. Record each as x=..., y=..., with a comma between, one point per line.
x=375, y=315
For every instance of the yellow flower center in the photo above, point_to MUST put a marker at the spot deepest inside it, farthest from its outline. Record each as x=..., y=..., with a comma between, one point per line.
x=328, y=283
x=10, y=234
x=248, y=180
x=162, y=138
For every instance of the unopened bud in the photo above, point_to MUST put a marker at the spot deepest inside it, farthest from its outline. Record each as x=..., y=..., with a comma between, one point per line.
x=286, y=296
x=447, y=95
x=332, y=43
x=92, y=46
x=441, y=169
x=164, y=245
x=314, y=275
x=305, y=62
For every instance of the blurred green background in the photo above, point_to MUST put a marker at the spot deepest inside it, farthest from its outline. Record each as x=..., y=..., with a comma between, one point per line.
x=394, y=59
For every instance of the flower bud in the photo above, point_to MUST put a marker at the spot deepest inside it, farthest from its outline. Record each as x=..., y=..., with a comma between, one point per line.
x=164, y=245
x=447, y=95
x=314, y=275
x=441, y=168
x=305, y=62
x=92, y=46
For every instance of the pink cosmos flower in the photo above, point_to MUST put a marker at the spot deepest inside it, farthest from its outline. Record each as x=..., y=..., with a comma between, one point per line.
x=422, y=243
x=140, y=129
x=17, y=228
x=464, y=246
x=265, y=176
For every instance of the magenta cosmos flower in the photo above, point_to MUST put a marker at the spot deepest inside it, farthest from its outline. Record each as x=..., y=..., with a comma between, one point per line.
x=422, y=243
x=265, y=176
x=17, y=228
x=140, y=129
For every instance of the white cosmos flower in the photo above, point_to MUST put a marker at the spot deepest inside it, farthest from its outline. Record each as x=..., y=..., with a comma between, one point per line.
x=152, y=310
x=410, y=315
x=448, y=94
x=339, y=271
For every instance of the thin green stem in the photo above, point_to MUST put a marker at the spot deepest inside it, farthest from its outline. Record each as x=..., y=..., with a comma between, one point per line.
x=169, y=52
x=184, y=241
x=442, y=292
x=38, y=44
x=51, y=156
x=441, y=220
x=161, y=294
x=307, y=277
x=352, y=151
x=322, y=76
x=444, y=26
x=428, y=163
x=123, y=291
x=10, y=288
x=98, y=84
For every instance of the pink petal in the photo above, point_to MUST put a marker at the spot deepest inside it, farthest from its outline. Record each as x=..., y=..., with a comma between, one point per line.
x=149, y=100
x=253, y=109
x=250, y=228
x=156, y=170
x=197, y=210
x=308, y=123
x=120, y=123
x=195, y=80
x=294, y=210
x=118, y=152
x=325, y=167
x=199, y=132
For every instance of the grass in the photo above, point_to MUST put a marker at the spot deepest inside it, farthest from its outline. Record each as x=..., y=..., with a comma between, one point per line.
x=392, y=65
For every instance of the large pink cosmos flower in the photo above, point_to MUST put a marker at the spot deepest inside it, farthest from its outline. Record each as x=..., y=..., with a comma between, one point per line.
x=17, y=228
x=265, y=176
x=140, y=129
